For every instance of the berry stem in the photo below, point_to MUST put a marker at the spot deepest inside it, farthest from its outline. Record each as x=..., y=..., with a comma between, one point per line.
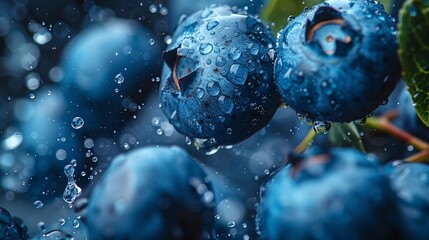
x=311, y=135
x=383, y=124
x=422, y=157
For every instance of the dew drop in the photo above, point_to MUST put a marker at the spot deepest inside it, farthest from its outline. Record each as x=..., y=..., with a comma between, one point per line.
x=321, y=127
x=212, y=24
x=234, y=53
x=226, y=104
x=200, y=92
x=206, y=48
x=213, y=88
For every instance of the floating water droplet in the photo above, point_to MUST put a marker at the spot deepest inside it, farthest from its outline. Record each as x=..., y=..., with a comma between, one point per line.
x=77, y=123
x=61, y=221
x=38, y=204
x=119, y=78
x=41, y=226
x=231, y=224
x=32, y=96
x=213, y=88
x=321, y=127
x=72, y=191
x=234, y=53
x=76, y=223
x=206, y=48
x=151, y=41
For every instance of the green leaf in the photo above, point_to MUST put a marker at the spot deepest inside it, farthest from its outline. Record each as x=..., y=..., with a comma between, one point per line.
x=414, y=53
x=278, y=11
x=345, y=135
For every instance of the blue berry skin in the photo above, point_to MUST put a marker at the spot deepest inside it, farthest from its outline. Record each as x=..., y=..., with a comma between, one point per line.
x=12, y=228
x=178, y=8
x=410, y=182
x=152, y=193
x=217, y=80
x=340, y=194
x=96, y=61
x=337, y=61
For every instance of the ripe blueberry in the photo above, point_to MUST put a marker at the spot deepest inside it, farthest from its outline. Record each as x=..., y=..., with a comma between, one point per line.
x=152, y=193
x=337, y=61
x=217, y=82
x=11, y=228
x=410, y=182
x=340, y=194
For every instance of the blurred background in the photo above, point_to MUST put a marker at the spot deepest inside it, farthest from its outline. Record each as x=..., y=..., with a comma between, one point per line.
x=79, y=85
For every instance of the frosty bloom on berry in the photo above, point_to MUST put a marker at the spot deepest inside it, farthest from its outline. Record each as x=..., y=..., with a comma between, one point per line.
x=337, y=61
x=217, y=79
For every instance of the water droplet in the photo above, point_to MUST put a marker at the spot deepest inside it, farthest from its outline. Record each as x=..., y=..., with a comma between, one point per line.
x=206, y=12
x=119, y=78
x=72, y=191
x=206, y=48
x=360, y=122
x=38, y=204
x=61, y=221
x=234, y=53
x=238, y=74
x=213, y=88
x=321, y=127
x=226, y=104
x=41, y=226
x=220, y=61
x=231, y=224
x=76, y=223
x=151, y=41
x=200, y=92
x=77, y=123
x=32, y=96
x=212, y=24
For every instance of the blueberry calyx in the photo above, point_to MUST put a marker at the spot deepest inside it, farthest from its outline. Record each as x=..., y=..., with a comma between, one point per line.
x=329, y=34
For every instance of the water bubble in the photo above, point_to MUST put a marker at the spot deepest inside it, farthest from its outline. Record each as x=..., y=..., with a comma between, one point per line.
x=168, y=39
x=360, y=122
x=206, y=48
x=234, y=53
x=72, y=191
x=77, y=123
x=32, y=96
x=321, y=127
x=41, y=226
x=231, y=224
x=38, y=204
x=61, y=221
x=153, y=8
x=151, y=41
x=76, y=223
x=213, y=88
x=119, y=78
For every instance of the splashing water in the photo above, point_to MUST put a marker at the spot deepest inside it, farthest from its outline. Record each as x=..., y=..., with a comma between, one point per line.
x=72, y=191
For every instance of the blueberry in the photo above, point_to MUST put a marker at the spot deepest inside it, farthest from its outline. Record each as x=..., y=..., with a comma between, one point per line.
x=178, y=8
x=338, y=194
x=337, y=61
x=108, y=69
x=410, y=182
x=152, y=193
x=217, y=81
x=12, y=228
